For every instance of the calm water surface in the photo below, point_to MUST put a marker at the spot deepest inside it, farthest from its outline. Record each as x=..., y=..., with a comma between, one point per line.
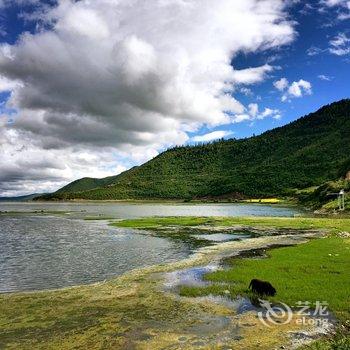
x=51, y=252
x=123, y=210
x=46, y=251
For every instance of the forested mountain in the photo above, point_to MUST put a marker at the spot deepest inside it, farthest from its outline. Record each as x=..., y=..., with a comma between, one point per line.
x=307, y=152
x=25, y=198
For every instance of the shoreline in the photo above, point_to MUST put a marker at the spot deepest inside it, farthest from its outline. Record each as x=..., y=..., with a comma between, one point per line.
x=204, y=255
x=134, y=311
x=162, y=201
x=145, y=286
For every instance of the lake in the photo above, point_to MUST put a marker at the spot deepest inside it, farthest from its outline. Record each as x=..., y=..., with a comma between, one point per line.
x=133, y=210
x=45, y=251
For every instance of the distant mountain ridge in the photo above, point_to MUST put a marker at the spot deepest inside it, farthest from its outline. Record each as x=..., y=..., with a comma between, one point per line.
x=24, y=198
x=307, y=152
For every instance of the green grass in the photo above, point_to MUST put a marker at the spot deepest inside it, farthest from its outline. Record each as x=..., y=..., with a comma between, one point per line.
x=97, y=218
x=302, y=223
x=306, y=272
x=315, y=271
x=155, y=222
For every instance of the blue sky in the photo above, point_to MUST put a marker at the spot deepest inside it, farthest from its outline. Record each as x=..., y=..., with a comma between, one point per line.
x=315, y=30
x=91, y=89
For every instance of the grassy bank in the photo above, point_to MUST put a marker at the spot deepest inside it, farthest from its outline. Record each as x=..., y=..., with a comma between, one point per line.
x=315, y=271
x=305, y=272
x=132, y=311
x=300, y=223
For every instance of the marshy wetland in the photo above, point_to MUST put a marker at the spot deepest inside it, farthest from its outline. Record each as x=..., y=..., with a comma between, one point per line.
x=193, y=295
x=48, y=245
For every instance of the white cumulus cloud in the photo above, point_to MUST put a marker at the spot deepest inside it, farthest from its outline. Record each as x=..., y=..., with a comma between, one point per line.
x=281, y=84
x=294, y=89
x=126, y=77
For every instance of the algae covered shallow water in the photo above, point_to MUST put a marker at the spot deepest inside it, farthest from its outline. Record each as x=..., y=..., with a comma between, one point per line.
x=45, y=251
x=133, y=311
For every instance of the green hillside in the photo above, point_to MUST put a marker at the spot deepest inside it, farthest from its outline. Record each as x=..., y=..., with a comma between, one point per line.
x=307, y=152
x=84, y=184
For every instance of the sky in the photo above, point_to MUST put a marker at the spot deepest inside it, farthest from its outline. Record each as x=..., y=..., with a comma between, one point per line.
x=92, y=88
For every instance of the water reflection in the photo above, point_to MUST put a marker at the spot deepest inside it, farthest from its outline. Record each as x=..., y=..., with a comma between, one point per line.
x=50, y=252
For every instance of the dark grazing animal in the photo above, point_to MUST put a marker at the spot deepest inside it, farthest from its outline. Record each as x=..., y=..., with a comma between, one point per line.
x=262, y=287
